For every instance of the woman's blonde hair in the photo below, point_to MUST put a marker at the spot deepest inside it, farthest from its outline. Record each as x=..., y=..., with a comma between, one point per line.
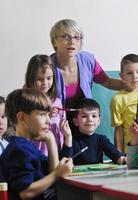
x=64, y=25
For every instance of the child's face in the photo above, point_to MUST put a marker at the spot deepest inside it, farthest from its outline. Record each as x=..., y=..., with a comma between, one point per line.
x=87, y=120
x=37, y=123
x=3, y=120
x=130, y=76
x=44, y=79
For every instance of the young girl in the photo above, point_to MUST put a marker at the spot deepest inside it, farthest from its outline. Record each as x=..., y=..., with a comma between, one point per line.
x=3, y=125
x=40, y=76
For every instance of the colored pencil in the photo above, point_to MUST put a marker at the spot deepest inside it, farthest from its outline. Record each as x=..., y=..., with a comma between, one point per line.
x=78, y=153
x=67, y=109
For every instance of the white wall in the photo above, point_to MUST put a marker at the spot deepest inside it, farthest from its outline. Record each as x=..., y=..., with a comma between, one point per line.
x=110, y=28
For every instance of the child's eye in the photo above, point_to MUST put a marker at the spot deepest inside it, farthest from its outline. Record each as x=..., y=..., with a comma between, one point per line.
x=50, y=78
x=83, y=116
x=42, y=114
x=94, y=116
x=129, y=73
x=3, y=116
x=39, y=79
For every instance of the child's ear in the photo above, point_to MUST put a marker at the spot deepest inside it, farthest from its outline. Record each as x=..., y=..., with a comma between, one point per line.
x=99, y=121
x=75, y=121
x=20, y=116
x=121, y=76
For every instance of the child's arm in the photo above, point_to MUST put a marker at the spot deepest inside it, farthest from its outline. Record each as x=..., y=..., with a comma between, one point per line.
x=132, y=155
x=67, y=150
x=49, y=138
x=52, y=151
x=38, y=187
x=119, y=138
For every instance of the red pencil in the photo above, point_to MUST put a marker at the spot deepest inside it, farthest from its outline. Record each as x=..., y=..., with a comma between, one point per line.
x=67, y=109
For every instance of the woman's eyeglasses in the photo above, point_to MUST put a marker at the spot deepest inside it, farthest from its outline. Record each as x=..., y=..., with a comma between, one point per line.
x=67, y=37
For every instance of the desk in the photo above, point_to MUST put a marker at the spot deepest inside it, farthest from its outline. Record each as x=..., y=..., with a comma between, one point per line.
x=107, y=185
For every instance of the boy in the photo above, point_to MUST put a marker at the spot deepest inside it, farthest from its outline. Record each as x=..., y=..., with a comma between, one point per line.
x=87, y=119
x=28, y=172
x=124, y=104
x=3, y=125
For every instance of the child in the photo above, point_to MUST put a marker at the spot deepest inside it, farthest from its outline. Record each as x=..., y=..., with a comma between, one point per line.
x=123, y=104
x=3, y=125
x=28, y=172
x=87, y=119
x=40, y=76
x=132, y=155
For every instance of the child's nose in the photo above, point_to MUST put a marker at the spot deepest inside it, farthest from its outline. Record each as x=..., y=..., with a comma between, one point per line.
x=44, y=80
x=90, y=118
x=48, y=120
x=1, y=120
x=135, y=75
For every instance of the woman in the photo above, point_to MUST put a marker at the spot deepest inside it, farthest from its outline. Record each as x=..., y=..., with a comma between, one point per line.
x=75, y=70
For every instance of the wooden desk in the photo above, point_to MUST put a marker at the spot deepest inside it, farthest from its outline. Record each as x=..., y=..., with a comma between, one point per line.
x=107, y=185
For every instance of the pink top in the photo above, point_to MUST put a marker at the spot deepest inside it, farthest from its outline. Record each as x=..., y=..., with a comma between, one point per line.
x=99, y=74
x=54, y=128
x=73, y=91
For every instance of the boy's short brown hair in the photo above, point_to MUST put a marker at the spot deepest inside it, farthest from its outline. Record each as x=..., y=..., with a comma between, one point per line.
x=86, y=103
x=128, y=59
x=25, y=100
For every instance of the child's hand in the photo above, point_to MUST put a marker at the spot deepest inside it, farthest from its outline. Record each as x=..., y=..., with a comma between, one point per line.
x=121, y=160
x=54, y=112
x=45, y=136
x=65, y=129
x=134, y=133
x=134, y=128
x=64, y=168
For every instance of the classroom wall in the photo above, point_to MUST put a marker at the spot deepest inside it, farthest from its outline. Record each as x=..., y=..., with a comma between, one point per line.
x=110, y=29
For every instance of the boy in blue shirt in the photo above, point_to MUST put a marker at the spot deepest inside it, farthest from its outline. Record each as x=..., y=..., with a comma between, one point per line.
x=87, y=119
x=3, y=125
x=28, y=172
